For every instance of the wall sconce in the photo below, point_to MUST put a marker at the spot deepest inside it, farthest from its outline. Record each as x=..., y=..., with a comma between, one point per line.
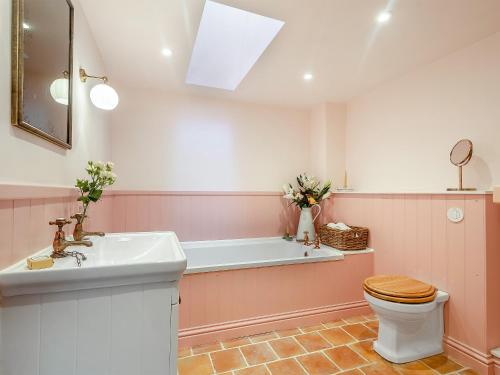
x=59, y=89
x=102, y=95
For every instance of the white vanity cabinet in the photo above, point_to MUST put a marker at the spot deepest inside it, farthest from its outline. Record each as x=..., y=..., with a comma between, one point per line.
x=125, y=324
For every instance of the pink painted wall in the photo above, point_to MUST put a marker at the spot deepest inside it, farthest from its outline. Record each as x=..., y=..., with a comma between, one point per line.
x=203, y=216
x=399, y=134
x=24, y=223
x=412, y=236
x=493, y=274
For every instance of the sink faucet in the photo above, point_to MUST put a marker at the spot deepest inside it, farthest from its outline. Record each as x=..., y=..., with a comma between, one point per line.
x=78, y=233
x=60, y=243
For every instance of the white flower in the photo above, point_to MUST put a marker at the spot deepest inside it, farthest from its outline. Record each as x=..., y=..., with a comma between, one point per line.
x=99, y=164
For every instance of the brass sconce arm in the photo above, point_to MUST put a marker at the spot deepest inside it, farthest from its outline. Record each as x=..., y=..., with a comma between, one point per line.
x=84, y=76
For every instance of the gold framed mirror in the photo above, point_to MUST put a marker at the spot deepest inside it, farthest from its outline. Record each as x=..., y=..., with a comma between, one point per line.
x=42, y=68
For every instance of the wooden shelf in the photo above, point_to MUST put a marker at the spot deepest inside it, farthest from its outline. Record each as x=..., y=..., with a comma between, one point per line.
x=496, y=194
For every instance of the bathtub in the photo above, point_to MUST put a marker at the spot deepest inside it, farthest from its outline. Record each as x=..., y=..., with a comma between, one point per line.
x=208, y=256
x=233, y=288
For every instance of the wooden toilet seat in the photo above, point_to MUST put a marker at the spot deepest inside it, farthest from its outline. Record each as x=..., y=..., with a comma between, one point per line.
x=400, y=289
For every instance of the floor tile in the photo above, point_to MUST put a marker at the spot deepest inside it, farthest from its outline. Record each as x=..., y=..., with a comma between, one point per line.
x=371, y=317
x=229, y=344
x=468, y=372
x=334, y=323
x=379, y=369
x=289, y=332
x=317, y=364
x=336, y=336
x=365, y=349
x=414, y=368
x=201, y=349
x=199, y=365
x=226, y=360
x=258, y=353
x=345, y=358
x=312, y=328
x=256, y=370
x=372, y=325
x=441, y=364
x=286, y=347
x=351, y=372
x=359, y=331
x=263, y=337
x=184, y=352
x=294, y=352
x=286, y=367
x=312, y=342
x=355, y=319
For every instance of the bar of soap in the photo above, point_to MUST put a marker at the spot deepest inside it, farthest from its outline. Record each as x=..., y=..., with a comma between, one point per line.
x=40, y=262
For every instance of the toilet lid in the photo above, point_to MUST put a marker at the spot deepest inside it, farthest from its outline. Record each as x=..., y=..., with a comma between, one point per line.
x=401, y=300
x=400, y=288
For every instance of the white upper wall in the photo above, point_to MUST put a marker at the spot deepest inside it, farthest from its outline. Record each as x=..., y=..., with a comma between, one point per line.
x=399, y=136
x=327, y=142
x=27, y=159
x=164, y=141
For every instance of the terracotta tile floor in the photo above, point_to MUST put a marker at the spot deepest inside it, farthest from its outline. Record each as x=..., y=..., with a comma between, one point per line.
x=341, y=347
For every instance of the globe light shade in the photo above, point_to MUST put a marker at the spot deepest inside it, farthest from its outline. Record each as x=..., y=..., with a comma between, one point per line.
x=104, y=97
x=59, y=90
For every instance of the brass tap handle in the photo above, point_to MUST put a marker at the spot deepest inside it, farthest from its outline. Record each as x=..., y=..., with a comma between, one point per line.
x=317, y=242
x=60, y=222
x=306, y=238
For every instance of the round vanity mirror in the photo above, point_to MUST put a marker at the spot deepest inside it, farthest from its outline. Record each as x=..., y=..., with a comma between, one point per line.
x=460, y=155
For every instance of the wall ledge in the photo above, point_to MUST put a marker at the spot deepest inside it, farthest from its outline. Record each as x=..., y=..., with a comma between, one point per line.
x=434, y=192
x=34, y=191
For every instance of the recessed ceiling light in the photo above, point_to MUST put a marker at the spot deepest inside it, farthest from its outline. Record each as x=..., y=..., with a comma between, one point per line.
x=308, y=76
x=166, y=52
x=384, y=17
x=26, y=26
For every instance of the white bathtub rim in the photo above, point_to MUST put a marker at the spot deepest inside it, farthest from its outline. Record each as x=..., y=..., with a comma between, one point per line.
x=260, y=264
x=328, y=254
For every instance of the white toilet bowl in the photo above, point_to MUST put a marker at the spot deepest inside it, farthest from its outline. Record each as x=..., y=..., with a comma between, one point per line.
x=408, y=332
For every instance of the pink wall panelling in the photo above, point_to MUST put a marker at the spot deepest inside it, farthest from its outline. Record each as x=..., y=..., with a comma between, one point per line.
x=204, y=216
x=412, y=235
x=233, y=303
x=25, y=229
x=493, y=272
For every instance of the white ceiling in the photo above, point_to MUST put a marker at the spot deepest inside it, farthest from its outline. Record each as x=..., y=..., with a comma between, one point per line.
x=337, y=40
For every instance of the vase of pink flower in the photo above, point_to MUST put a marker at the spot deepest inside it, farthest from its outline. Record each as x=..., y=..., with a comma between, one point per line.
x=308, y=193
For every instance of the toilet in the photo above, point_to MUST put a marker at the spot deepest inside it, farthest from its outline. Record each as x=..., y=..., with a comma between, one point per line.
x=410, y=316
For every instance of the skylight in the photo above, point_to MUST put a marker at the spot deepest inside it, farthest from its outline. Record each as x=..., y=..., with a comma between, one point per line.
x=228, y=44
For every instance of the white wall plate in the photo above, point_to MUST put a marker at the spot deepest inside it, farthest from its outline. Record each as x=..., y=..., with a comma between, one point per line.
x=455, y=214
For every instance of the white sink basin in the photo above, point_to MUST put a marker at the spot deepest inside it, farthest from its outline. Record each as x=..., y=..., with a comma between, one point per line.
x=116, y=259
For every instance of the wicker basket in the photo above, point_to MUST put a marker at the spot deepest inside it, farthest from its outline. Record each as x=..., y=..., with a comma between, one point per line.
x=355, y=239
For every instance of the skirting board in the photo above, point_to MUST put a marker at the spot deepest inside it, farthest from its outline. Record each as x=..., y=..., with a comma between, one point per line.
x=484, y=364
x=246, y=327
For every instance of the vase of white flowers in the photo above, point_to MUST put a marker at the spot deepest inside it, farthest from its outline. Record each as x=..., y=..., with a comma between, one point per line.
x=91, y=189
x=309, y=193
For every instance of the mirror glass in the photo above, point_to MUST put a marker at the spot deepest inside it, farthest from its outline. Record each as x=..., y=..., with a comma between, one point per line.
x=45, y=63
x=461, y=152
